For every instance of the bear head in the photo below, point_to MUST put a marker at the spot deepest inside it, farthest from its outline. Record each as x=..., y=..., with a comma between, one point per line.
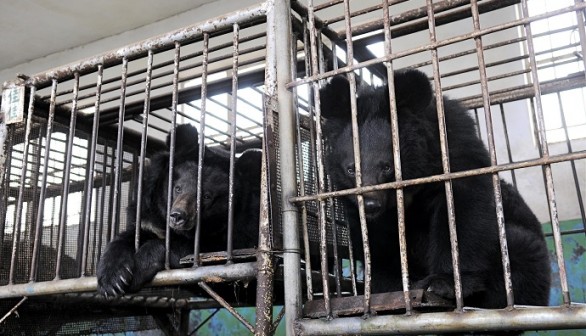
x=414, y=101
x=184, y=211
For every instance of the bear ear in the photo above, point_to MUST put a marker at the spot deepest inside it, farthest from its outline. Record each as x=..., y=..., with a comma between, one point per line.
x=412, y=89
x=186, y=136
x=248, y=165
x=335, y=98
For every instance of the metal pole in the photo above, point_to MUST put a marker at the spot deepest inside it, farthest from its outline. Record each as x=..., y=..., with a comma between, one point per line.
x=280, y=23
x=485, y=320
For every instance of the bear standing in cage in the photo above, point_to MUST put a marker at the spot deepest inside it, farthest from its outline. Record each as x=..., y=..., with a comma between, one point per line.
x=426, y=214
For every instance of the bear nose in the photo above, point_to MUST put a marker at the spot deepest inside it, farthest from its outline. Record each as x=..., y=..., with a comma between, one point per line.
x=372, y=205
x=178, y=216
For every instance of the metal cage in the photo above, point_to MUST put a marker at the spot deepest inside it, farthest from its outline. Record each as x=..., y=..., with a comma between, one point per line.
x=76, y=140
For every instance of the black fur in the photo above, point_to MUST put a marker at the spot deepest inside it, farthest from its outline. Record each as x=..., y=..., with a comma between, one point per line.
x=429, y=256
x=120, y=270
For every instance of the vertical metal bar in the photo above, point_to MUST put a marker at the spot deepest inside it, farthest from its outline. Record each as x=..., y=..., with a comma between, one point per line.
x=233, y=107
x=582, y=32
x=492, y=153
x=37, y=135
x=118, y=165
x=351, y=257
x=174, y=102
x=103, y=202
x=336, y=261
x=357, y=160
x=508, y=143
x=19, y=202
x=320, y=160
x=202, y=125
x=264, y=256
x=278, y=72
x=5, y=179
x=143, y=143
x=67, y=176
x=553, y=212
x=80, y=250
x=445, y=159
x=304, y=223
x=111, y=230
x=89, y=187
x=572, y=162
x=350, y=242
x=41, y=208
x=397, y=160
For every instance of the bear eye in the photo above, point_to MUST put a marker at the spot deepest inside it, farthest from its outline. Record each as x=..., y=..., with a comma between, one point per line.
x=207, y=196
x=387, y=168
x=178, y=189
x=350, y=170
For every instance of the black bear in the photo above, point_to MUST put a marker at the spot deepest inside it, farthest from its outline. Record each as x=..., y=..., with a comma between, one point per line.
x=121, y=270
x=426, y=214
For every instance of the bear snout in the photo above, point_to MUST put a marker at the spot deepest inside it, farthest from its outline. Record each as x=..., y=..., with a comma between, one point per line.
x=178, y=218
x=374, y=204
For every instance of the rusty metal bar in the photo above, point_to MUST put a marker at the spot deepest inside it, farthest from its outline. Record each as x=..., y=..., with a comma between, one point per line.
x=415, y=20
x=485, y=320
x=313, y=33
x=43, y=192
x=572, y=163
x=336, y=260
x=397, y=160
x=118, y=154
x=67, y=177
x=540, y=125
x=493, y=160
x=439, y=100
x=448, y=176
x=437, y=44
x=13, y=309
x=232, y=115
x=278, y=75
x=172, y=145
x=156, y=44
x=264, y=255
x=142, y=155
x=357, y=161
x=226, y=306
x=507, y=141
x=164, y=64
x=526, y=91
x=201, y=149
x=278, y=320
x=183, y=276
x=18, y=215
x=581, y=31
x=89, y=187
x=304, y=223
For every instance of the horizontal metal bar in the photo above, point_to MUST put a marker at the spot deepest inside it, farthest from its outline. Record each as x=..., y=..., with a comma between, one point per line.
x=213, y=274
x=157, y=43
x=435, y=45
x=445, y=177
x=542, y=318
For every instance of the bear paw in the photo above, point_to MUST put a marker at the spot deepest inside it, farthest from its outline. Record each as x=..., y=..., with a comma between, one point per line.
x=438, y=284
x=115, y=275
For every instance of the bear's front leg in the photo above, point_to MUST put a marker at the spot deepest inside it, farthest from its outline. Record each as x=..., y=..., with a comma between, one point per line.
x=116, y=266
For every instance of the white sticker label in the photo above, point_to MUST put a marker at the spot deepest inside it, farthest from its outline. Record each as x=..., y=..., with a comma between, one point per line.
x=13, y=104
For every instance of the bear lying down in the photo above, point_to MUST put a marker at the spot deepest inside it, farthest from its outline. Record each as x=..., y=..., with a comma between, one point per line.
x=426, y=215
x=122, y=270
